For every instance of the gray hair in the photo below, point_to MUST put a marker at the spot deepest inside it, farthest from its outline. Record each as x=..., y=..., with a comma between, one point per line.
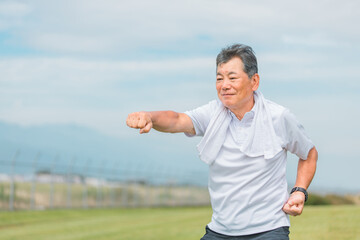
x=245, y=53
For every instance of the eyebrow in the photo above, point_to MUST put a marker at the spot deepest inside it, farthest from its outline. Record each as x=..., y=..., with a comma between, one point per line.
x=232, y=73
x=228, y=74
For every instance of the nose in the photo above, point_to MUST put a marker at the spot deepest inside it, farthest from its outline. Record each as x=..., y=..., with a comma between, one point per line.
x=226, y=84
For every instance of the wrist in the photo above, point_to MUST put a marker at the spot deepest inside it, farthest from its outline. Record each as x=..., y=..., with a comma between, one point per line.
x=300, y=189
x=149, y=116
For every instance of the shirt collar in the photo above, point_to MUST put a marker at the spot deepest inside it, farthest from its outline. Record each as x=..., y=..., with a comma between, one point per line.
x=249, y=116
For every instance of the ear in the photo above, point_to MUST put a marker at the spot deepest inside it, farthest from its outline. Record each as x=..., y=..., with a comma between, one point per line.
x=255, y=81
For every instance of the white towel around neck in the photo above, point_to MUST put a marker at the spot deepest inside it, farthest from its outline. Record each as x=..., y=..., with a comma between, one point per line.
x=262, y=139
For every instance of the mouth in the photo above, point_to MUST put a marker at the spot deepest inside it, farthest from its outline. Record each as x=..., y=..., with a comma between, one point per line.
x=226, y=95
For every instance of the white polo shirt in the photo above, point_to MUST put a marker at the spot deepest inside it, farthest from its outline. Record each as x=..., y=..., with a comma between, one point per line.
x=247, y=193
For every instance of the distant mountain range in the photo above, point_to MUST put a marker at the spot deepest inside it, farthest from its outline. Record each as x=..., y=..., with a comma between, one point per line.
x=72, y=149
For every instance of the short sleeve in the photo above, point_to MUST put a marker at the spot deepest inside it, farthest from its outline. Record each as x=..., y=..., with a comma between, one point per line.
x=295, y=137
x=201, y=117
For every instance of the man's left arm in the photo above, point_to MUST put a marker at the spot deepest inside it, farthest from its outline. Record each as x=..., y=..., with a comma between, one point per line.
x=305, y=173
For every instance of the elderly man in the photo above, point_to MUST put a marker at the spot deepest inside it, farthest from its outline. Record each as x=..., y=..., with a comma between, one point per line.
x=245, y=142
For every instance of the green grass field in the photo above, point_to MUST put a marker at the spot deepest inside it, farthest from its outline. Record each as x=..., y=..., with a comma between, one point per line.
x=316, y=223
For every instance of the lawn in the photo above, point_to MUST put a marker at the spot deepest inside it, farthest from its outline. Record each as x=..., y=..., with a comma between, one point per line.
x=327, y=222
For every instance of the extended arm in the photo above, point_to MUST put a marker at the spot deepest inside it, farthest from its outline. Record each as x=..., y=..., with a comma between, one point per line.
x=305, y=173
x=163, y=121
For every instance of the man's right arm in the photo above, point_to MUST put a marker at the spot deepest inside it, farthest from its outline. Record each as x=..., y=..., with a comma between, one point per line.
x=163, y=121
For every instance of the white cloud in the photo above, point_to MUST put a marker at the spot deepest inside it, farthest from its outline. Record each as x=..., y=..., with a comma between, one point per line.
x=298, y=58
x=110, y=122
x=113, y=26
x=71, y=71
x=91, y=93
x=309, y=66
x=12, y=14
x=58, y=42
x=14, y=9
x=314, y=40
x=331, y=121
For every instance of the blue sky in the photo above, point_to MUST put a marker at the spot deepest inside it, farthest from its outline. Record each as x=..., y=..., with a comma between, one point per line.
x=93, y=62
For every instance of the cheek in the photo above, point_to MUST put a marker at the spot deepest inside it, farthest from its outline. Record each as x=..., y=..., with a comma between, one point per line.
x=218, y=87
x=243, y=87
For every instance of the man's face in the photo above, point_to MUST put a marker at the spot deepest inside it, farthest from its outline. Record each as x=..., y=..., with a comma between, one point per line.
x=234, y=87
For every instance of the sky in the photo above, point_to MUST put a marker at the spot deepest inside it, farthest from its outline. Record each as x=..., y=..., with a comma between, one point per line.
x=93, y=62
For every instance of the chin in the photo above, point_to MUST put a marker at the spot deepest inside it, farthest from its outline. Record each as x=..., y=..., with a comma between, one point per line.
x=226, y=103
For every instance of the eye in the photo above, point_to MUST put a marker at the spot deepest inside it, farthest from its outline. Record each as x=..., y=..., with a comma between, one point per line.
x=219, y=79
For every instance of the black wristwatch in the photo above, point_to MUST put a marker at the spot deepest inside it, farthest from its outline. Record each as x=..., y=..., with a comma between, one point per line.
x=300, y=189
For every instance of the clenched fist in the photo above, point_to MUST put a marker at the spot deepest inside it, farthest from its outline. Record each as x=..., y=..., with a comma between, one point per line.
x=295, y=204
x=140, y=120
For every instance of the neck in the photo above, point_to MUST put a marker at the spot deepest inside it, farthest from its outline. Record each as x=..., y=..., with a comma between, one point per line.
x=244, y=108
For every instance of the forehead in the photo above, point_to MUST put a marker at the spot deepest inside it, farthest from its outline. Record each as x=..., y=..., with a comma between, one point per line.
x=234, y=65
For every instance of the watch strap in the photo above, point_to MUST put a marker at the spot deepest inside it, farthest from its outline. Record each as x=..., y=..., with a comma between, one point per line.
x=300, y=189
